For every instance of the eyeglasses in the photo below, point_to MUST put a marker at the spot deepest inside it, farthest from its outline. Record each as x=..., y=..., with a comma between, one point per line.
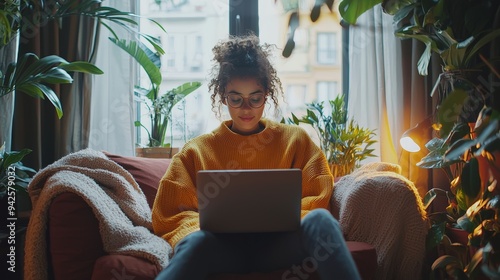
x=255, y=100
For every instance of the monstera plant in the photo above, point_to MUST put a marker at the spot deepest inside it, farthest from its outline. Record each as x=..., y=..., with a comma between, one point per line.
x=30, y=74
x=33, y=75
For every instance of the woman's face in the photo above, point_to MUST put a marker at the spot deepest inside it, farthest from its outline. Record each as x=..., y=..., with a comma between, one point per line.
x=245, y=99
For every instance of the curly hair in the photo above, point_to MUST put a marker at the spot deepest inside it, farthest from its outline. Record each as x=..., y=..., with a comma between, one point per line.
x=241, y=57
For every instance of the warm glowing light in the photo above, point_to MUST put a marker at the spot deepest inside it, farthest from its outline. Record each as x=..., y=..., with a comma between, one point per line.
x=414, y=138
x=409, y=144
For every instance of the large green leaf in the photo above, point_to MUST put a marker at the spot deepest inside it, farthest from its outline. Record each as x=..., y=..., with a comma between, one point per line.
x=450, y=109
x=31, y=74
x=459, y=131
x=35, y=66
x=473, y=269
x=471, y=183
x=10, y=20
x=453, y=57
x=393, y=7
x=134, y=49
x=56, y=76
x=350, y=10
x=488, y=132
x=35, y=88
x=430, y=45
x=458, y=148
x=429, y=197
x=466, y=224
x=82, y=67
x=435, y=235
x=464, y=201
x=451, y=264
x=105, y=15
x=481, y=43
x=185, y=89
x=435, y=158
x=12, y=157
x=31, y=90
x=399, y=13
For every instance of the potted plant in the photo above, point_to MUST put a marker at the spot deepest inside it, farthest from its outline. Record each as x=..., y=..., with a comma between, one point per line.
x=474, y=200
x=14, y=180
x=455, y=30
x=343, y=141
x=159, y=105
x=31, y=74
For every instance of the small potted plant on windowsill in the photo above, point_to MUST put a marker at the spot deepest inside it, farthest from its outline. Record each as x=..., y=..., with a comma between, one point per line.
x=160, y=114
x=344, y=143
x=159, y=105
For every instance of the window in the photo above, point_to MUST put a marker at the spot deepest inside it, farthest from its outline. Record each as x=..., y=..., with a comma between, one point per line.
x=296, y=97
x=326, y=90
x=327, y=48
x=171, y=52
x=196, y=63
x=193, y=27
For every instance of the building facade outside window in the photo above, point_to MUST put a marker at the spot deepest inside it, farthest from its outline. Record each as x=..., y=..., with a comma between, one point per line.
x=296, y=96
x=327, y=90
x=327, y=48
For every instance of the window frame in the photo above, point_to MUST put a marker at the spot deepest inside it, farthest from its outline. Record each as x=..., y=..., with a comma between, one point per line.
x=326, y=54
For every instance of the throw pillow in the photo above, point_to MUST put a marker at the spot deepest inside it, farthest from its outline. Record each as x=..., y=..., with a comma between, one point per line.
x=147, y=172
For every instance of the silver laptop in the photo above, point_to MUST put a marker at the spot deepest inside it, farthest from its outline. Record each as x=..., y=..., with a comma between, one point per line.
x=249, y=200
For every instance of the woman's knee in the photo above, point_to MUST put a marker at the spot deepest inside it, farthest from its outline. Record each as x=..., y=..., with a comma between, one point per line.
x=320, y=215
x=320, y=220
x=198, y=239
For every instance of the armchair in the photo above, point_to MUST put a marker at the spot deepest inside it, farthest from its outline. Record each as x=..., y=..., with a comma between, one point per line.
x=74, y=240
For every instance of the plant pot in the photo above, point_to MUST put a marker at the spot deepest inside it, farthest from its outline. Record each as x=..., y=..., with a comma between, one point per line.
x=156, y=152
x=457, y=235
x=339, y=170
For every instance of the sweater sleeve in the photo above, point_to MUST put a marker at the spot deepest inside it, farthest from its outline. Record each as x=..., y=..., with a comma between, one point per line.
x=317, y=180
x=175, y=210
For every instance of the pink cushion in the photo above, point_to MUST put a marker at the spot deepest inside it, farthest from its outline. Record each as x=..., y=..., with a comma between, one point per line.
x=147, y=172
x=365, y=257
x=73, y=236
x=124, y=267
x=76, y=249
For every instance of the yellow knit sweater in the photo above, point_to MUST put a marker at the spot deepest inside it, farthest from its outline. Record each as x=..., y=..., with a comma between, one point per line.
x=175, y=210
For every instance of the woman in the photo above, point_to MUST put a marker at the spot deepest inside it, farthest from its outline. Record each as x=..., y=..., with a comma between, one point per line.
x=243, y=80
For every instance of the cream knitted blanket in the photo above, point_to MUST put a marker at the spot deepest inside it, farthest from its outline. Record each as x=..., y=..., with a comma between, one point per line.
x=115, y=198
x=377, y=205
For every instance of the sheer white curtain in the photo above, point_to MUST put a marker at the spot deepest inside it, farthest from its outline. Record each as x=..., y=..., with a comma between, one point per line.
x=112, y=109
x=375, y=81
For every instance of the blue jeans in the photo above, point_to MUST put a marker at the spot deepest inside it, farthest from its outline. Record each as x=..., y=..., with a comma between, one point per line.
x=317, y=246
